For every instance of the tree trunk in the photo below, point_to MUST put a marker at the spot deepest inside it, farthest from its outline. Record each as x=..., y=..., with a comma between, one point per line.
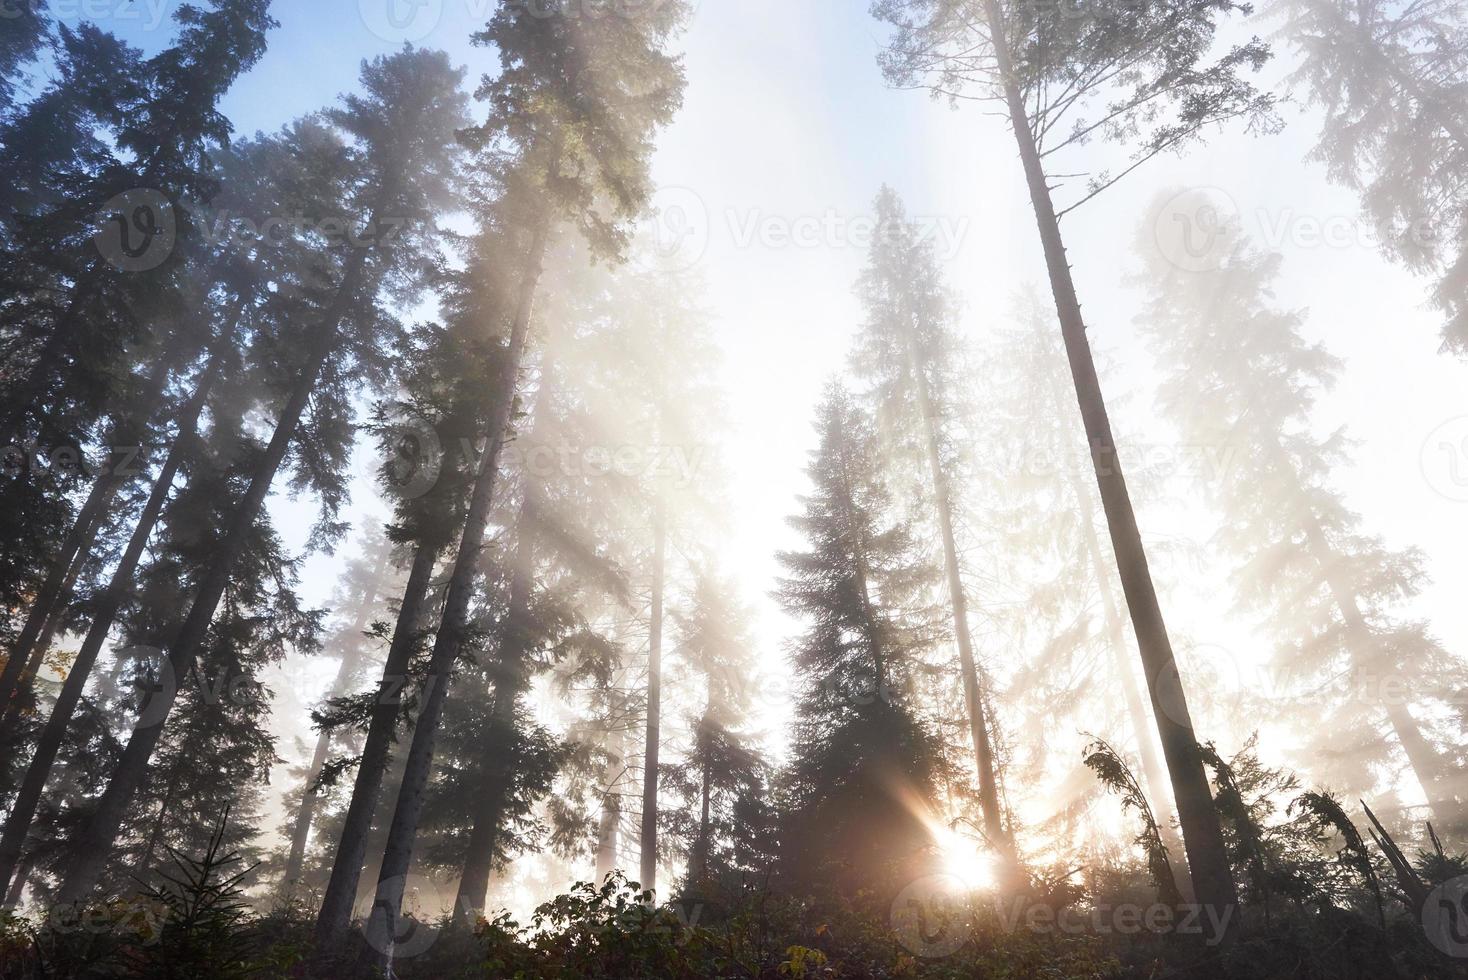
x=25, y=658
x=22, y=875
x=649, y=837
x=1426, y=762
x=44, y=616
x=23, y=810
x=958, y=602
x=1152, y=770
x=1213, y=882
x=510, y=683
x=382, y=924
x=611, y=809
x=699, y=870
x=351, y=848
x=156, y=836
x=95, y=842
x=350, y=658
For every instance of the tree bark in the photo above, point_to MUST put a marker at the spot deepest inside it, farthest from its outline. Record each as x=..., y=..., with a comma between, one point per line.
x=382, y=924
x=1213, y=882
x=958, y=605
x=95, y=842
x=699, y=867
x=351, y=848
x=611, y=809
x=23, y=810
x=25, y=658
x=17, y=887
x=511, y=682
x=44, y=616
x=649, y=837
x=1152, y=769
x=301, y=830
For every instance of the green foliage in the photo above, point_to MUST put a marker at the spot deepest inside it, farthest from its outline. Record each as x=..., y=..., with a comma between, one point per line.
x=203, y=912
x=1117, y=776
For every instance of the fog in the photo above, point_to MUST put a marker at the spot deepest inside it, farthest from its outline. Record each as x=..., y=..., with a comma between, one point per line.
x=770, y=452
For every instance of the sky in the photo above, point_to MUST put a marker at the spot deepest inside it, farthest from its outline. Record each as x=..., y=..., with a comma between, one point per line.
x=787, y=132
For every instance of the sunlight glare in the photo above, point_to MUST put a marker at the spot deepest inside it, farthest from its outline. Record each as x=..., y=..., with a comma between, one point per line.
x=963, y=860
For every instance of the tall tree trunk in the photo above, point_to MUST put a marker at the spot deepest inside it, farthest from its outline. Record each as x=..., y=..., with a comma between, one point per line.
x=17, y=887
x=45, y=614
x=958, y=603
x=649, y=837
x=351, y=848
x=1427, y=764
x=156, y=835
x=699, y=867
x=611, y=808
x=1213, y=882
x=95, y=842
x=352, y=656
x=382, y=924
x=25, y=657
x=23, y=810
x=511, y=681
x=1152, y=770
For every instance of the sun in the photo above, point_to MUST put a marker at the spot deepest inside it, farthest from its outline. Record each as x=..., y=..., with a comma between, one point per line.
x=963, y=859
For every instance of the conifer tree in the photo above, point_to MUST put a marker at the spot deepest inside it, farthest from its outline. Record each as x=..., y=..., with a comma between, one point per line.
x=238, y=368
x=361, y=591
x=1391, y=81
x=430, y=438
x=1240, y=373
x=865, y=767
x=1140, y=76
x=403, y=128
x=572, y=115
x=91, y=305
x=906, y=352
x=721, y=767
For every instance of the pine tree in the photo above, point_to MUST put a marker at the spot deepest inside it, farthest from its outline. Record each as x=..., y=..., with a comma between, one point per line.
x=906, y=354
x=1240, y=373
x=864, y=770
x=237, y=367
x=1045, y=519
x=570, y=144
x=1391, y=81
x=83, y=315
x=361, y=590
x=430, y=438
x=404, y=128
x=721, y=767
x=1124, y=73
x=26, y=33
